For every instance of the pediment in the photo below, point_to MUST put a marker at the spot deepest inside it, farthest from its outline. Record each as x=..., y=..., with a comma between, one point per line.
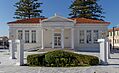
x=57, y=19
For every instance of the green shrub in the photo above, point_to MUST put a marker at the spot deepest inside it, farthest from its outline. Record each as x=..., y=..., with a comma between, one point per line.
x=60, y=58
x=36, y=60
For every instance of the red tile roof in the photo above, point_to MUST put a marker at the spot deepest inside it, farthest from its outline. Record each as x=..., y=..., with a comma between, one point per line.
x=115, y=29
x=32, y=20
x=78, y=20
x=85, y=20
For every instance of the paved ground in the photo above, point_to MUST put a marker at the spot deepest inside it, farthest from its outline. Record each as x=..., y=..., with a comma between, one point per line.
x=8, y=66
x=25, y=69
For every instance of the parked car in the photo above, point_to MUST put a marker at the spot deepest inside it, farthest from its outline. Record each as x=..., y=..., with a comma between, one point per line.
x=4, y=42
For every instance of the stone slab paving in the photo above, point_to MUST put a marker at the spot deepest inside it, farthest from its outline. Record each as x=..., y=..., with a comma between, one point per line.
x=66, y=70
x=4, y=57
x=26, y=69
x=106, y=69
x=18, y=69
x=8, y=66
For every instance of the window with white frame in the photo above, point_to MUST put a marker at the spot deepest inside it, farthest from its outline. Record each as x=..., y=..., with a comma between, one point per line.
x=33, y=36
x=26, y=36
x=88, y=34
x=95, y=36
x=81, y=35
x=20, y=34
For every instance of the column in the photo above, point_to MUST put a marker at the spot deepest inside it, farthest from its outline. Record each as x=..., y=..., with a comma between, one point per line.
x=52, y=38
x=20, y=52
x=72, y=38
x=24, y=35
x=62, y=37
x=78, y=37
x=92, y=36
x=12, y=49
x=42, y=38
x=85, y=37
x=30, y=38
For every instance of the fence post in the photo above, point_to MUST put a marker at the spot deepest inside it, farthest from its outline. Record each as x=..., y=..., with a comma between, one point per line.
x=20, y=52
x=103, y=51
x=108, y=48
x=12, y=49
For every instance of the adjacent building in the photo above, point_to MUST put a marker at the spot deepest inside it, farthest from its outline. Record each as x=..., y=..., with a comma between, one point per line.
x=114, y=37
x=59, y=32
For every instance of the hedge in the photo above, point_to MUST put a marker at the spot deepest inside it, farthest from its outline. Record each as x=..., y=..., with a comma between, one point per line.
x=60, y=58
x=36, y=60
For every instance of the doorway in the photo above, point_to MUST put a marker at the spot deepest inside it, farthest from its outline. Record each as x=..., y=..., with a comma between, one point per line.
x=57, y=40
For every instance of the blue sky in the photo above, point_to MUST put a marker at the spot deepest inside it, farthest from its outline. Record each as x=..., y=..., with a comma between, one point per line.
x=60, y=7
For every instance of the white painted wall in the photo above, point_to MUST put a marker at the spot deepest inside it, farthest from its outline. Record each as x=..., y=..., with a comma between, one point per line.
x=13, y=34
x=48, y=38
x=92, y=47
x=13, y=28
x=67, y=38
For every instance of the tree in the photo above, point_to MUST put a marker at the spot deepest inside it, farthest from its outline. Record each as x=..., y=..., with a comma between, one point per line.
x=86, y=9
x=28, y=9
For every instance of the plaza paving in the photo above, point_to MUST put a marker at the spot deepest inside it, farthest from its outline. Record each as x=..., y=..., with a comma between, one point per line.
x=8, y=66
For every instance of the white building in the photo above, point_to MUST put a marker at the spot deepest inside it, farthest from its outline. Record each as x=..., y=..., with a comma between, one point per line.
x=114, y=40
x=58, y=32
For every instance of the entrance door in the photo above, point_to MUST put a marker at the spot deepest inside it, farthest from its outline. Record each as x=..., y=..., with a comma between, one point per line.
x=57, y=40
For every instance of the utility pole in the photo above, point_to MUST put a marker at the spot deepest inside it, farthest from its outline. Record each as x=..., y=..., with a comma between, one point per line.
x=113, y=38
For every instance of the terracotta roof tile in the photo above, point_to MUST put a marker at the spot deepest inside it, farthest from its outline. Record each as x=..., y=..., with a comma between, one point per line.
x=115, y=29
x=32, y=20
x=85, y=20
x=78, y=20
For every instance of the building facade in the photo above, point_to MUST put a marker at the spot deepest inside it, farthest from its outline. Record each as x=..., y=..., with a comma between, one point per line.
x=59, y=32
x=114, y=37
